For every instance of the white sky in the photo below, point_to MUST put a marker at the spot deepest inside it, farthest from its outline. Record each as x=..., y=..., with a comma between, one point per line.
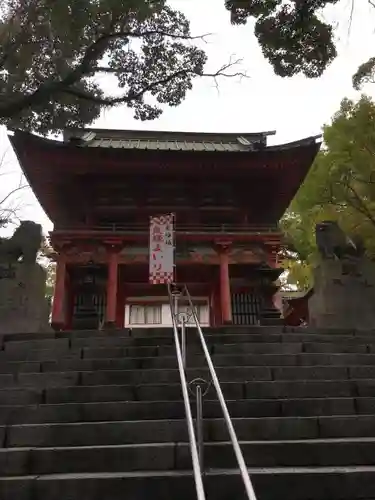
x=295, y=107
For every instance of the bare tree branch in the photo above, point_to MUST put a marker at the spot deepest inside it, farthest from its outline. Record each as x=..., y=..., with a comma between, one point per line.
x=11, y=193
x=10, y=205
x=111, y=101
x=351, y=16
x=355, y=202
x=361, y=206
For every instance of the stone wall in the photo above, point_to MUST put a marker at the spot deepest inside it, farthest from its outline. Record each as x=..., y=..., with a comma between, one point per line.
x=23, y=306
x=344, y=294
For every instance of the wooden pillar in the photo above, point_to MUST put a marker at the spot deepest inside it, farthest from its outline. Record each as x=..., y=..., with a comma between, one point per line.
x=121, y=298
x=112, y=288
x=225, y=293
x=69, y=302
x=58, y=306
x=215, y=306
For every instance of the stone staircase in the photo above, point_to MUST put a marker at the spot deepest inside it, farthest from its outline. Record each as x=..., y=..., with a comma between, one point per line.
x=99, y=416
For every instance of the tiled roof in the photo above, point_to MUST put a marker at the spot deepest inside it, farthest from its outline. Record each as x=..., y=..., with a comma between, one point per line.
x=166, y=141
x=169, y=145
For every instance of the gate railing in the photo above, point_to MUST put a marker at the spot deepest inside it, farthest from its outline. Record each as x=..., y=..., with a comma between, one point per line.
x=197, y=443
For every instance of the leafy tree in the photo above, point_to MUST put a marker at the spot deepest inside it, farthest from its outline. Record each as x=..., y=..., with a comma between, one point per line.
x=294, y=36
x=54, y=53
x=340, y=186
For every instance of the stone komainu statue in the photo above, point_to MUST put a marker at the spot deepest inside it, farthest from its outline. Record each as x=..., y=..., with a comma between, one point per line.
x=24, y=244
x=332, y=242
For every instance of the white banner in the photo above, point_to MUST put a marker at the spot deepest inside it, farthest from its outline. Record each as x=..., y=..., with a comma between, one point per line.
x=162, y=249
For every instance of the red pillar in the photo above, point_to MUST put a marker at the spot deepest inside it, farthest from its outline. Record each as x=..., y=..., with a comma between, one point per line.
x=112, y=289
x=58, y=306
x=121, y=298
x=225, y=295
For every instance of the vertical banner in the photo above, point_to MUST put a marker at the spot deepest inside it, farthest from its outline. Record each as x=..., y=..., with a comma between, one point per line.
x=161, y=249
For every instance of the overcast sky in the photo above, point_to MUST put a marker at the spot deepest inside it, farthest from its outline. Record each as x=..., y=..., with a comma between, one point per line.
x=294, y=107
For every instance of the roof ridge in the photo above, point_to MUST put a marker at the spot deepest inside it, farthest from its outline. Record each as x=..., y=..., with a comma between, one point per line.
x=173, y=133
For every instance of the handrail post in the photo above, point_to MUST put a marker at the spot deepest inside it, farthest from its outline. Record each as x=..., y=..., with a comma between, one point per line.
x=183, y=340
x=200, y=437
x=175, y=306
x=176, y=294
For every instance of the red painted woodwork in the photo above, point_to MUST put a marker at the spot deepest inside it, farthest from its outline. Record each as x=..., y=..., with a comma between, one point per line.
x=215, y=306
x=70, y=303
x=80, y=236
x=225, y=294
x=121, y=298
x=211, y=302
x=58, y=307
x=113, y=191
x=265, y=180
x=112, y=287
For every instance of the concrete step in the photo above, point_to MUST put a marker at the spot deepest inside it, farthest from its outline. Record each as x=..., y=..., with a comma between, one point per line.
x=37, y=355
x=167, y=430
x=176, y=456
x=212, y=339
x=140, y=334
x=135, y=377
x=25, y=352
x=302, y=483
x=99, y=414
x=172, y=376
x=153, y=410
x=288, y=348
x=219, y=360
x=230, y=349
x=26, y=345
x=269, y=360
x=151, y=338
x=172, y=392
x=225, y=374
x=136, y=333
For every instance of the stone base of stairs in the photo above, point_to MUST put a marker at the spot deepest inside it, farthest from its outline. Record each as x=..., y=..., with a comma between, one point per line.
x=99, y=415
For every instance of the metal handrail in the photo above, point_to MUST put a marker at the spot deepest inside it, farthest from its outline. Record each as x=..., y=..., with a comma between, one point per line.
x=189, y=419
x=232, y=433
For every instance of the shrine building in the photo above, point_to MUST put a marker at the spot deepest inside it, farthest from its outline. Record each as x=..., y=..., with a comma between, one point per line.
x=227, y=191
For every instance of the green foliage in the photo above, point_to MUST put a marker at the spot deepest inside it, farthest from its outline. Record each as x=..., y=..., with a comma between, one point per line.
x=298, y=275
x=340, y=186
x=53, y=54
x=51, y=277
x=292, y=34
x=364, y=74
x=45, y=259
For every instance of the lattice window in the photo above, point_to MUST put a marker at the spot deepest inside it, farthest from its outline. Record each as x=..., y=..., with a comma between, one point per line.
x=245, y=308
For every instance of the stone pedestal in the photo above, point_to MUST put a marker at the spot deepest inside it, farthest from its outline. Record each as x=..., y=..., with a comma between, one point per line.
x=344, y=294
x=23, y=305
